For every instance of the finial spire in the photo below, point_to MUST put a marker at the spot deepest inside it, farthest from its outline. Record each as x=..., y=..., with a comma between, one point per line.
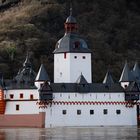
x=71, y=9
x=27, y=61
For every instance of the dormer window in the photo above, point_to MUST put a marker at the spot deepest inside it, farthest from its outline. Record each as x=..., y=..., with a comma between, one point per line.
x=77, y=45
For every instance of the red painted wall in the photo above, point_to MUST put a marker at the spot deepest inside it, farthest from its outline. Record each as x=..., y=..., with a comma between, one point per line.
x=29, y=120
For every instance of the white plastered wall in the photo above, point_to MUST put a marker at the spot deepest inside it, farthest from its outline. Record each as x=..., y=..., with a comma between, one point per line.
x=55, y=118
x=26, y=105
x=67, y=70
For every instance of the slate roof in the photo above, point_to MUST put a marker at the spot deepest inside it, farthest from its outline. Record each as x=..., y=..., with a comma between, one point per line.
x=108, y=78
x=136, y=72
x=25, y=77
x=93, y=87
x=81, y=80
x=42, y=74
x=67, y=44
x=71, y=19
x=126, y=75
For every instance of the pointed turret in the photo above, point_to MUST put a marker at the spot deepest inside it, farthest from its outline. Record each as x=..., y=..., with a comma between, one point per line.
x=81, y=80
x=126, y=76
x=136, y=72
x=42, y=74
x=41, y=77
x=25, y=76
x=27, y=62
x=82, y=84
x=108, y=78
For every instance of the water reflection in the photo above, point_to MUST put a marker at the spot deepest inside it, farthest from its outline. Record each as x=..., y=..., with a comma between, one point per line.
x=69, y=133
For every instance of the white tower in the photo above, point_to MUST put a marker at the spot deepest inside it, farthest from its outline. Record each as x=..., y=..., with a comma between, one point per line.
x=71, y=55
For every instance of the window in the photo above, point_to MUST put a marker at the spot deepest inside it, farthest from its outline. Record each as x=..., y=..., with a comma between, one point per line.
x=118, y=111
x=31, y=97
x=11, y=96
x=105, y=111
x=17, y=107
x=84, y=57
x=91, y=112
x=76, y=44
x=125, y=86
x=75, y=57
x=21, y=95
x=78, y=112
x=41, y=85
x=60, y=74
x=65, y=55
x=64, y=112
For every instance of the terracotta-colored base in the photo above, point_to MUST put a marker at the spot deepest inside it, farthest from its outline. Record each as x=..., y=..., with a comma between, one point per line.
x=29, y=120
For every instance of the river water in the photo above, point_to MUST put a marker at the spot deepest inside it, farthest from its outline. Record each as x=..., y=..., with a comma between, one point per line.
x=71, y=133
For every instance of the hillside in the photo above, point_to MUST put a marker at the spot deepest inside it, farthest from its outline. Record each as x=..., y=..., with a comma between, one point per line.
x=110, y=27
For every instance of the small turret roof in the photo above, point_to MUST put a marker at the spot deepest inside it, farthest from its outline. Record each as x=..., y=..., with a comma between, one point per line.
x=126, y=75
x=25, y=76
x=42, y=74
x=81, y=80
x=136, y=71
x=108, y=78
x=27, y=62
x=71, y=19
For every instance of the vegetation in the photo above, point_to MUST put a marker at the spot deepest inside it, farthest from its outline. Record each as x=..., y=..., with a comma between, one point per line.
x=110, y=27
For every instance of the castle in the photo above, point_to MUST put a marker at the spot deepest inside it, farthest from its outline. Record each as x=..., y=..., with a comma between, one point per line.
x=31, y=100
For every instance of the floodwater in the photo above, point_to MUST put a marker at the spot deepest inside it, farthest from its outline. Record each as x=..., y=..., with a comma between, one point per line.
x=71, y=133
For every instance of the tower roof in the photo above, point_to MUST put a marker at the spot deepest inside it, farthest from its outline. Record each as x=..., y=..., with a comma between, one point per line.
x=26, y=74
x=126, y=75
x=81, y=80
x=71, y=42
x=108, y=78
x=42, y=74
x=136, y=71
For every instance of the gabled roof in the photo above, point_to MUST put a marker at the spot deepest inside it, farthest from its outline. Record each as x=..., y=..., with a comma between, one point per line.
x=42, y=74
x=81, y=80
x=108, y=78
x=136, y=71
x=126, y=75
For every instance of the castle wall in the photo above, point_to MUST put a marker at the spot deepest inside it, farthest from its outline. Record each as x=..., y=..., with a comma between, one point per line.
x=25, y=107
x=18, y=105
x=55, y=116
